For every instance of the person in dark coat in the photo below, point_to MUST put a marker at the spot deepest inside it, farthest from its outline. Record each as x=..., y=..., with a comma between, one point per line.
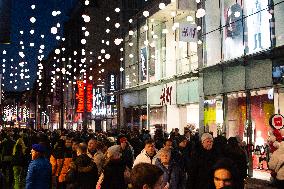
x=201, y=163
x=114, y=171
x=173, y=176
x=83, y=173
x=127, y=154
x=39, y=171
x=238, y=155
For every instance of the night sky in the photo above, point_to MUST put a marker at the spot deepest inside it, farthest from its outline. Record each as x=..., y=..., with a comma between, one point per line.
x=20, y=21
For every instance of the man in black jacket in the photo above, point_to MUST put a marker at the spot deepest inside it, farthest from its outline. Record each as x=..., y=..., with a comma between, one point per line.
x=201, y=163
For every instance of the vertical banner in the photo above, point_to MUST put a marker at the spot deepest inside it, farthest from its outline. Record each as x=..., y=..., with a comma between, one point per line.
x=89, y=93
x=112, y=84
x=188, y=32
x=5, y=16
x=143, y=60
x=80, y=97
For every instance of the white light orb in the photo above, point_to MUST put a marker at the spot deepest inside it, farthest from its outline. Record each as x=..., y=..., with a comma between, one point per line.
x=121, y=49
x=117, y=25
x=53, y=30
x=22, y=32
x=146, y=13
x=121, y=69
x=107, y=18
x=57, y=37
x=58, y=25
x=57, y=51
x=54, y=13
x=87, y=33
x=118, y=41
x=107, y=43
x=131, y=56
x=107, y=56
x=162, y=6
x=32, y=44
x=200, y=13
x=117, y=10
x=130, y=20
x=42, y=36
x=130, y=32
x=130, y=44
x=32, y=32
x=146, y=28
x=83, y=41
x=33, y=7
x=87, y=2
x=32, y=20
x=107, y=30
x=86, y=18
x=103, y=51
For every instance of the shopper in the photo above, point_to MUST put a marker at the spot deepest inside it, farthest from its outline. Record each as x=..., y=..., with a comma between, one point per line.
x=39, y=171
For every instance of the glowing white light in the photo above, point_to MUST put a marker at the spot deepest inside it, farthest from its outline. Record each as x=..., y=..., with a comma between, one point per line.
x=87, y=33
x=58, y=25
x=54, y=13
x=145, y=28
x=146, y=13
x=22, y=32
x=121, y=59
x=131, y=56
x=117, y=10
x=86, y=18
x=32, y=20
x=107, y=30
x=21, y=54
x=117, y=41
x=117, y=25
x=32, y=32
x=41, y=47
x=107, y=43
x=103, y=51
x=121, y=49
x=107, y=18
x=107, y=56
x=162, y=6
x=197, y=1
x=200, y=13
x=33, y=6
x=173, y=13
x=57, y=51
x=121, y=69
x=53, y=30
x=57, y=37
x=199, y=42
x=4, y=52
x=99, y=57
x=42, y=36
x=83, y=41
x=32, y=44
x=87, y=2
x=198, y=28
x=130, y=20
x=130, y=32
x=130, y=44
x=237, y=14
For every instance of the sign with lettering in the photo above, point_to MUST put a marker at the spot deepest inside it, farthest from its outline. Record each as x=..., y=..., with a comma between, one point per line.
x=188, y=32
x=89, y=103
x=80, y=97
x=111, y=89
x=99, y=107
x=277, y=121
x=166, y=96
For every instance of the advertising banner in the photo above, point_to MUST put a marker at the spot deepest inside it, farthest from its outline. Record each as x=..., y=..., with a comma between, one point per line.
x=5, y=17
x=143, y=60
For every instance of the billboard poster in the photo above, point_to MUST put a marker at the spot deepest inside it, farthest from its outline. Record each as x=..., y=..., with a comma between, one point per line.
x=143, y=60
x=5, y=16
x=188, y=32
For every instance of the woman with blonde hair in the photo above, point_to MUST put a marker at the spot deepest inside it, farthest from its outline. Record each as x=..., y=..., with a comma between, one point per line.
x=19, y=163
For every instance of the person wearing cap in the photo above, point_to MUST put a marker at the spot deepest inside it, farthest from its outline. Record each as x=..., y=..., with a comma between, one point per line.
x=39, y=171
x=201, y=163
x=127, y=153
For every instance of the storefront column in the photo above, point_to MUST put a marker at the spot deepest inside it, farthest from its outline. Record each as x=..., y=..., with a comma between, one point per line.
x=225, y=113
x=249, y=131
x=201, y=105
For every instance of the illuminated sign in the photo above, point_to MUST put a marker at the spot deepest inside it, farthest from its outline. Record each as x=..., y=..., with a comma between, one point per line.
x=89, y=99
x=111, y=89
x=277, y=121
x=99, y=107
x=80, y=97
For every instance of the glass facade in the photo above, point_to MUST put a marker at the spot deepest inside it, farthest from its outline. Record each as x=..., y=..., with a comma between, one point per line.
x=236, y=28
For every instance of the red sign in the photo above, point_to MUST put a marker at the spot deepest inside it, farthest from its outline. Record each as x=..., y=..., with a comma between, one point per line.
x=80, y=97
x=277, y=121
x=166, y=96
x=89, y=97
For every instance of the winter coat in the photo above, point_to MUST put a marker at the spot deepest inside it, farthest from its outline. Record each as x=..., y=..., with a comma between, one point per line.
x=200, y=166
x=113, y=175
x=276, y=160
x=60, y=162
x=127, y=156
x=39, y=174
x=239, y=158
x=143, y=157
x=85, y=173
x=99, y=159
x=173, y=175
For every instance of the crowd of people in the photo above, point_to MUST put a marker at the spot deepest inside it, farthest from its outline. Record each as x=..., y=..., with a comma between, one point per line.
x=124, y=160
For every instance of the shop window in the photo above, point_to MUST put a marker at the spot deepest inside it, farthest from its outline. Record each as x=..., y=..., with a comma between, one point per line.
x=158, y=118
x=213, y=115
x=212, y=37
